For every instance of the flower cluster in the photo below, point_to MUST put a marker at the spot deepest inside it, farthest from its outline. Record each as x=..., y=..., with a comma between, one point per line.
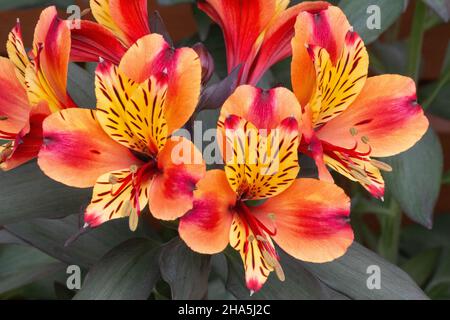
x=127, y=150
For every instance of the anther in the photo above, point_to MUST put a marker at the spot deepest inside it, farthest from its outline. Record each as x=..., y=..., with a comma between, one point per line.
x=353, y=131
x=365, y=139
x=381, y=165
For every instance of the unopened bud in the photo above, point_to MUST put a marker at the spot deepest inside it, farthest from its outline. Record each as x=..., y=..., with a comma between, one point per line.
x=206, y=60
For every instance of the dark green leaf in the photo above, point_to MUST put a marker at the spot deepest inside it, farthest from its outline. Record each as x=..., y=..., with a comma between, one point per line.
x=21, y=265
x=26, y=193
x=446, y=178
x=422, y=266
x=349, y=275
x=51, y=235
x=186, y=272
x=357, y=14
x=416, y=178
x=21, y=4
x=127, y=272
x=80, y=84
x=439, y=286
x=300, y=284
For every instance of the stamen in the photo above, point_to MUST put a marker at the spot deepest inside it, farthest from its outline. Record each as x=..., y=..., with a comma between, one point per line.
x=133, y=221
x=133, y=169
x=113, y=179
x=262, y=239
x=3, y=118
x=271, y=216
x=362, y=178
x=365, y=139
x=353, y=131
x=251, y=238
x=381, y=165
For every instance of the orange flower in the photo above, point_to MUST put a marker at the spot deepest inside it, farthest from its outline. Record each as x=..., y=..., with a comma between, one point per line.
x=123, y=147
x=349, y=119
x=307, y=218
x=120, y=24
x=257, y=32
x=33, y=85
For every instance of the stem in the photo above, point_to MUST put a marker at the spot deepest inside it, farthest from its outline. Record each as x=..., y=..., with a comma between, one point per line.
x=442, y=82
x=390, y=233
x=416, y=40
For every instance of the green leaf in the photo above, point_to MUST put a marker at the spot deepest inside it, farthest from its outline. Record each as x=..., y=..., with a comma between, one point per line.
x=300, y=284
x=415, y=41
x=22, y=264
x=81, y=86
x=26, y=193
x=50, y=236
x=349, y=275
x=416, y=178
x=357, y=14
x=127, y=272
x=22, y=4
x=422, y=266
x=186, y=272
x=441, y=7
x=439, y=286
x=415, y=238
x=446, y=178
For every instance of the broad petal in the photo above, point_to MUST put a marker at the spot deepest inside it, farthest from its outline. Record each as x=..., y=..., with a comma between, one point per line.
x=92, y=41
x=260, y=165
x=206, y=228
x=27, y=144
x=311, y=220
x=323, y=28
x=14, y=106
x=47, y=75
x=264, y=108
x=127, y=19
x=180, y=69
x=172, y=192
x=276, y=45
x=242, y=23
x=386, y=115
x=17, y=53
x=77, y=151
x=116, y=196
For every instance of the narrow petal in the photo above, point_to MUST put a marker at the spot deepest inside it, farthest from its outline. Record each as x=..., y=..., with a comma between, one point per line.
x=276, y=45
x=116, y=196
x=181, y=167
x=206, y=228
x=323, y=28
x=17, y=53
x=77, y=150
x=311, y=220
x=260, y=165
x=386, y=115
x=264, y=108
x=92, y=41
x=338, y=85
x=127, y=19
x=28, y=142
x=14, y=106
x=180, y=69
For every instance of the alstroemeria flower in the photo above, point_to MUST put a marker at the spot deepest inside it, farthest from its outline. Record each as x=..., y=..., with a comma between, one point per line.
x=307, y=218
x=120, y=24
x=257, y=32
x=123, y=148
x=348, y=118
x=33, y=84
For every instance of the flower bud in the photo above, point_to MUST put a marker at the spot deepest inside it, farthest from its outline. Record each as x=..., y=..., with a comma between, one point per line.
x=206, y=60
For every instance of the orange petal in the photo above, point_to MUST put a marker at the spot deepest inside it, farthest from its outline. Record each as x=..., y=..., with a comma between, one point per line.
x=264, y=108
x=260, y=165
x=386, y=115
x=28, y=142
x=339, y=84
x=172, y=192
x=206, y=227
x=17, y=53
x=116, y=196
x=323, y=28
x=14, y=106
x=180, y=69
x=127, y=19
x=311, y=220
x=47, y=75
x=77, y=150
x=276, y=45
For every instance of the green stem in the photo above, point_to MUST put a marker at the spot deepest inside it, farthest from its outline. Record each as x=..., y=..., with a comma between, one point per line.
x=442, y=82
x=416, y=40
x=390, y=233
